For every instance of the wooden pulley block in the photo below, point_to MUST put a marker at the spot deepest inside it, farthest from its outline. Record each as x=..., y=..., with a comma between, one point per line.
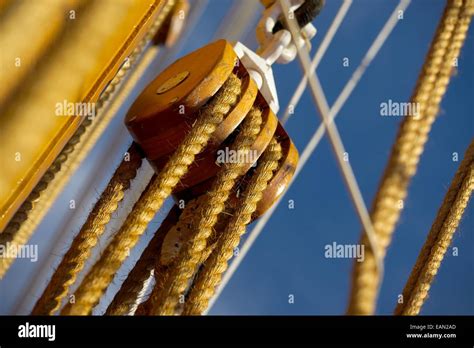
x=168, y=107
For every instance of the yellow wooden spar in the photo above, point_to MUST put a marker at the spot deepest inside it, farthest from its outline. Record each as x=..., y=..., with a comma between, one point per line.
x=83, y=45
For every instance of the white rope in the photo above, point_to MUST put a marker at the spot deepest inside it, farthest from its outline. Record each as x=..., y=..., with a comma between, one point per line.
x=336, y=23
x=336, y=142
x=313, y=143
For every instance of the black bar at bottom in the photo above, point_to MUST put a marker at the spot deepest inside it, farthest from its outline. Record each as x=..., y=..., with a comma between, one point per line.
x=430, y=331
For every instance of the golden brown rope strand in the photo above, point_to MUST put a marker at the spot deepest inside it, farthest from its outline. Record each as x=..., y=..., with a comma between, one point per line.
x=211, y=273
x=173, y=240
x=80, y=250
x=412, y=136
x=439, y=238
x=125, y=299
x=165, y=298
x=160, y=187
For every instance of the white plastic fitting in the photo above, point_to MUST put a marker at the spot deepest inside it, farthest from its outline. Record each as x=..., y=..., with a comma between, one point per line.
x=261, y=72
x=278, y=47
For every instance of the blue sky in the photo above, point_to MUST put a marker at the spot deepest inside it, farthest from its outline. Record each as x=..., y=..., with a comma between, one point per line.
x=288, y=257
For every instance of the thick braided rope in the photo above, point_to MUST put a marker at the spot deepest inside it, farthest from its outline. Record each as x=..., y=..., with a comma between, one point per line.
x=408, y=147
x=160, y=187
x=125, y=300
x=439, y=238
x=180, y=233
x=164, y=300
x=210, y=275
x=80, y=250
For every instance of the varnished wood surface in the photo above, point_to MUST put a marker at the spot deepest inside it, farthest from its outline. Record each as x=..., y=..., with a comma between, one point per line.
x=238, y=112
x=283, y=175
x=157, y=120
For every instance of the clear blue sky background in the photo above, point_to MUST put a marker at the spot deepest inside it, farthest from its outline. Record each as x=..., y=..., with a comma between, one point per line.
x=288, y=258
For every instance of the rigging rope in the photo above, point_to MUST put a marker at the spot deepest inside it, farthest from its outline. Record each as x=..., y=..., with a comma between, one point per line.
x=80, y=250
x=172, y=242
x=160, y=187
x=408, y=147
x=166, y=293
x=125, y=300
x=439, y=238
x=210, y=275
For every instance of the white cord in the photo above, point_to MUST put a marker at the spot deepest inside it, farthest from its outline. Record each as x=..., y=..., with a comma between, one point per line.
x=336, y=23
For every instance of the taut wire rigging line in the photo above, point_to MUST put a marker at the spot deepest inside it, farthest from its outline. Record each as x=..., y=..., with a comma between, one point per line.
x=337, y=145
x=318, y=56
